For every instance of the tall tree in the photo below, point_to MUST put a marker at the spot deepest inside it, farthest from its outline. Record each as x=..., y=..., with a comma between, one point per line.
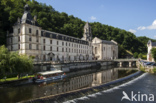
x=153, y=51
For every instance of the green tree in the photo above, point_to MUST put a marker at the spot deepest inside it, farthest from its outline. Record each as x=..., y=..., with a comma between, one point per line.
x=50, y=19
x=140, y=55
x=153, y=51
x=4, y=60
x=12, y=62
x=135, y=55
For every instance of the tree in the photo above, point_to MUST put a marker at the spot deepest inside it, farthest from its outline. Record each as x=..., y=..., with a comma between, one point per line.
x=153, y=51
x=50, y=19
x=12, y=62
x=135, y=55
x=140, y=55
x=4, y=60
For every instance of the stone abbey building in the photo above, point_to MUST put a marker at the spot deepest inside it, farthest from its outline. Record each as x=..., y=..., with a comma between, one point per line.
x=29, y=38
x=150, y=45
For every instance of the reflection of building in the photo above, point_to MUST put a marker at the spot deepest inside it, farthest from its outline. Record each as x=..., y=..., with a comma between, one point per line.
x=104, y=50
x=29, y=38
x=150, y=45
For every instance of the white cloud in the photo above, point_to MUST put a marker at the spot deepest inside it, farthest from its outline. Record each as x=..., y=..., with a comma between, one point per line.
x=153, y=26
x=155, y=36
x=132, y=30
x=141, y=28
x=93, y=18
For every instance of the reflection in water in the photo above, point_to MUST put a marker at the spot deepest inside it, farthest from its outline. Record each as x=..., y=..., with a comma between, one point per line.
x=75, y=81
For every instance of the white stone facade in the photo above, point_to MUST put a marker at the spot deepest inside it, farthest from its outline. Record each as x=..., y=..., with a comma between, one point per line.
x=150, y=45
x=104, y=50
x=29, y=38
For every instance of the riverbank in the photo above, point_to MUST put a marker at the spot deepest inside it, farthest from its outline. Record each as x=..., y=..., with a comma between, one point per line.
x=14, y=79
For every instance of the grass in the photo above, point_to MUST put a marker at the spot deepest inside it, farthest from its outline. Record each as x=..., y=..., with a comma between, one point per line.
x=15, y=78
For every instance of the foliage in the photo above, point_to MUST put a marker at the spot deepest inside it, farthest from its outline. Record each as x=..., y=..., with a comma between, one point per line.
x=50, y=19
x=122, y=51
x=154, y=70
x=135, y=55
x=140, y=55
x=12, y=62
x=144, y=56
x=153, y=51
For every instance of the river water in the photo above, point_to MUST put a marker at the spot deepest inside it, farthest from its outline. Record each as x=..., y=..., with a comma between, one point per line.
x=144, y=84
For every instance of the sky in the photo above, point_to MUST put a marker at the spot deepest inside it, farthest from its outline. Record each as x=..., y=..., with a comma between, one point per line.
x=136, y=16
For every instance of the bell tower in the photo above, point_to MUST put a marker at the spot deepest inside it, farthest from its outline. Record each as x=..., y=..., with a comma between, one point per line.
x=87, y=32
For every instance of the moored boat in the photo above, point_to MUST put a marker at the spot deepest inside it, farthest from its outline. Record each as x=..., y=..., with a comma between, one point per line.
x=49, y=76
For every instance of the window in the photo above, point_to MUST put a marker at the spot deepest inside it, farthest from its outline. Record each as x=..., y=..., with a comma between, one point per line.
x=66, y=44
x=66, y=49
x=62, y=43
x=19, y=46
x=69, y=57
x=19, y=38
x=57, y=49
x=37, y=47
x=18, y=30
x=29, y=38
x=51, y=58
x=11, y=47
x=36, y=32
x=69, y=49
x=50, y=41
x=36, y=39
x=57, y=42
x=30, y=46
x=62, y=49
x=29, y=30
x=50, y=48
x=43, y=40
x=69, y=44
x=11, y=40
x=44, y=48
x=104, y=48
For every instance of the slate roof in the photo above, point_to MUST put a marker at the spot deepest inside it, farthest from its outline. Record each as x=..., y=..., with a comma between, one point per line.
x=153, y=43
x=27, y=18
x=107, y=42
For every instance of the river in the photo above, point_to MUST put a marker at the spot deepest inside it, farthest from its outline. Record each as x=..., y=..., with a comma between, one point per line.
x=144, y=84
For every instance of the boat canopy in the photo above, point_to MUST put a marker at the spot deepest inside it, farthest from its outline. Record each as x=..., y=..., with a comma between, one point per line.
x=50, y=72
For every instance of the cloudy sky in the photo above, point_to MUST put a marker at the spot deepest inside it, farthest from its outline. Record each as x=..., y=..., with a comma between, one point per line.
x=136, y=16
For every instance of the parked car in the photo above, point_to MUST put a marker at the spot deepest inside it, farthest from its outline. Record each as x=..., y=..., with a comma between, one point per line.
x=148, y=63
x=153, y=64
